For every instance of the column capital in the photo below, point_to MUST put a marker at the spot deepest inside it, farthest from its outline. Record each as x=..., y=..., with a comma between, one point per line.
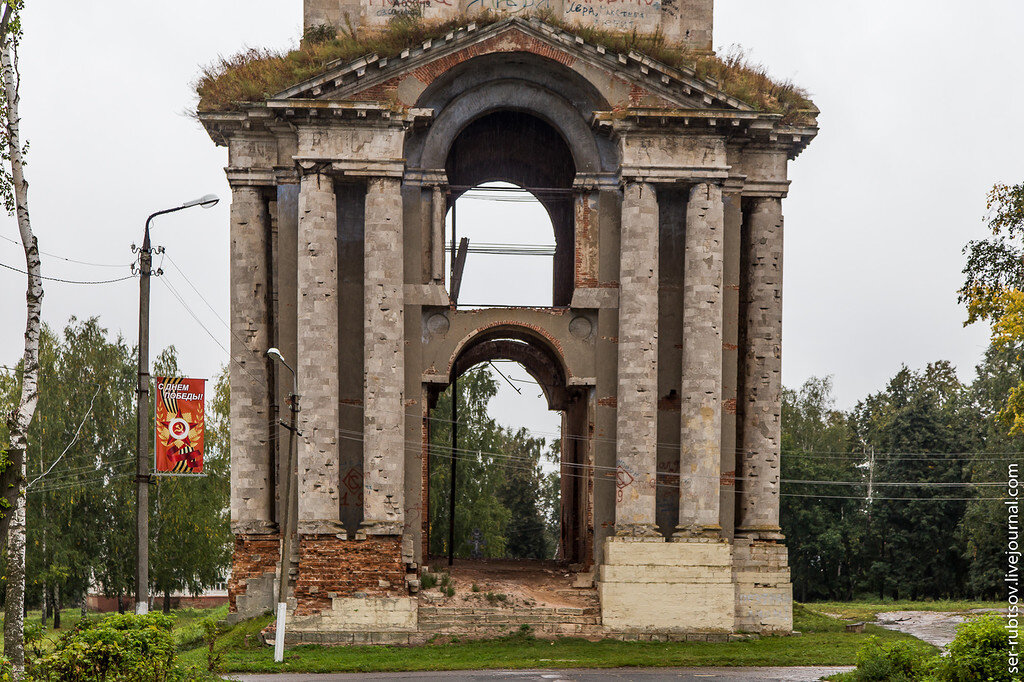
x=250, y=177
x=356, y=168
x=673, y=176
x=430, y=177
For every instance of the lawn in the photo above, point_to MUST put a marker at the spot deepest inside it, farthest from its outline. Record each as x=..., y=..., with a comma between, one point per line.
x=823, y=641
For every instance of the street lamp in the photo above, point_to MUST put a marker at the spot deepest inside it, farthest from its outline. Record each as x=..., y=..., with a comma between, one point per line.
x=142, y=412
x=282, y=571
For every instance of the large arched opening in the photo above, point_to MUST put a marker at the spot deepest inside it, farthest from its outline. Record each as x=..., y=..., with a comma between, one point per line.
x=512, y=455
x=525, y=122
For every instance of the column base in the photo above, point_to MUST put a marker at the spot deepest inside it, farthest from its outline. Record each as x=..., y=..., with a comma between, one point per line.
x=253, y=528
x=638, y=532
x=322, y=527
x=766, y=533
x=368, y=528
x=711, y=533
x=667, y=587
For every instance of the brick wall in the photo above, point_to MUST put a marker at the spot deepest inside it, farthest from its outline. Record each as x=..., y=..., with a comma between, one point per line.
x=331, y=567
x=254, y=556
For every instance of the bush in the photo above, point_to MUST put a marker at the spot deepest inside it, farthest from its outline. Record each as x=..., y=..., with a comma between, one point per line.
x=428, y=580
x=979, y=652
x=898, y=662
x=119, y=648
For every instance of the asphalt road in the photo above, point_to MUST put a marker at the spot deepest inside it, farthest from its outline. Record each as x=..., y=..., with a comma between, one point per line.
x=797, y=674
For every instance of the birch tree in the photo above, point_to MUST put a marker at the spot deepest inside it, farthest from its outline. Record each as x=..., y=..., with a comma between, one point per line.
x=14, y=189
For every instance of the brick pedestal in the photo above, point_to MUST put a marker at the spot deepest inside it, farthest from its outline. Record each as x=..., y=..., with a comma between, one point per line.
x=253, y=573
x=331, y=567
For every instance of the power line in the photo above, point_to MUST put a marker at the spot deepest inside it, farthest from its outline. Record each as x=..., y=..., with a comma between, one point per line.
x=419, y=445
x=676, y=487
x=71, y=260
x=73, y=439
x=69, y=281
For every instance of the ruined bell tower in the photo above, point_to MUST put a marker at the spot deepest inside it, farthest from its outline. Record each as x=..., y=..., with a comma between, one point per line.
x=662, y=349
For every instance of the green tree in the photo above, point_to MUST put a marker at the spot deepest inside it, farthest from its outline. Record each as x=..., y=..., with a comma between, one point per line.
x=822, y=530
x=522, y=494
x=993, y=288
x=985, y=519
x=503, y=498
x=920, y=424
x=85, y=446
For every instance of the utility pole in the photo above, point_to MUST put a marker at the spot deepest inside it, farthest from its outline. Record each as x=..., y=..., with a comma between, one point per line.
x=142, y=434
x=454, y=293
x=142, y=412
x=285, y=523
x=455, y=458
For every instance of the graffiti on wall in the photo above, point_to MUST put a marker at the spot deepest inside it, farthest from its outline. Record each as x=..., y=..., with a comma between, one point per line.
x=617, y=14
x=508, y=6
x=352, y=488
x=413, y=8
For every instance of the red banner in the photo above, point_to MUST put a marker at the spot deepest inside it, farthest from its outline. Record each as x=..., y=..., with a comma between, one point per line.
x=180, y=421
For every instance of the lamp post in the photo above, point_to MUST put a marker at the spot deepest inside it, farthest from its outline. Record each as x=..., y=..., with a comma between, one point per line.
x=142, y=412
x=282, y=571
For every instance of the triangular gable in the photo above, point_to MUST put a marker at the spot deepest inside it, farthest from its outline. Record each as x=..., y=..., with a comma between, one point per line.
x=629, y=80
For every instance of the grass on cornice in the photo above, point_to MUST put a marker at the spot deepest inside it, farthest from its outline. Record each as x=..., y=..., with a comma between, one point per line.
x=256, y=74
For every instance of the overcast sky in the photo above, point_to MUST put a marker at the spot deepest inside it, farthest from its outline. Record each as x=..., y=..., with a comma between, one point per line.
x=921, y=113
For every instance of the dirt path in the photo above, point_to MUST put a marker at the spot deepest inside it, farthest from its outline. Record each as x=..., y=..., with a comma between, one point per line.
x=934, y=627
x=544, y=584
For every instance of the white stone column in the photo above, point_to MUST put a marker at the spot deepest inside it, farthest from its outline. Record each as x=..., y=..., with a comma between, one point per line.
x=636, y=404
x=701, y=406
x=319, y=504
x=252, y=499
x=384, y=360
x=762, y=371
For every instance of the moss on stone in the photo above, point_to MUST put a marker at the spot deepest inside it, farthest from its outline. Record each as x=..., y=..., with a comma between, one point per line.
x=256, y=74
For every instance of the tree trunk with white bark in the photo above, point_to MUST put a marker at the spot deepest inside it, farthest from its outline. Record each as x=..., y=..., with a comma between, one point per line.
x=21, y=418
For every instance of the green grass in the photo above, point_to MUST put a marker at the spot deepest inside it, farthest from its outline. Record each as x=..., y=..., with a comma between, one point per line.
x=868, y=610
x=256, y=74
x=823, y=642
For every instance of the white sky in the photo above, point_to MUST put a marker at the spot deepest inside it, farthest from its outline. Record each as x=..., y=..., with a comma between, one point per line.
x=921, y=112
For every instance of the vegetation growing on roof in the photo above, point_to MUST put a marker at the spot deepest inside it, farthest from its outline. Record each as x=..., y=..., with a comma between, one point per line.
x=256, y=74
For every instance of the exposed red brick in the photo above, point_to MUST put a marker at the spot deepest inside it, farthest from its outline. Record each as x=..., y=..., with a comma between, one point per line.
x=330, y=566
x=586, y=244
x=254, y=557
x=608, y=402
x=511, y=40
x=729, y=406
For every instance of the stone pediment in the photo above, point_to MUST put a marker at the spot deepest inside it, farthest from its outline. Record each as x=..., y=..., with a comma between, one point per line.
x=624, y=80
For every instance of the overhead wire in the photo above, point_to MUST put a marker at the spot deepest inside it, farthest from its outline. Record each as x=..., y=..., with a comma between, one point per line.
x=418, y=446
x=69, y=281
x=71, y=260
x=74, y=439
